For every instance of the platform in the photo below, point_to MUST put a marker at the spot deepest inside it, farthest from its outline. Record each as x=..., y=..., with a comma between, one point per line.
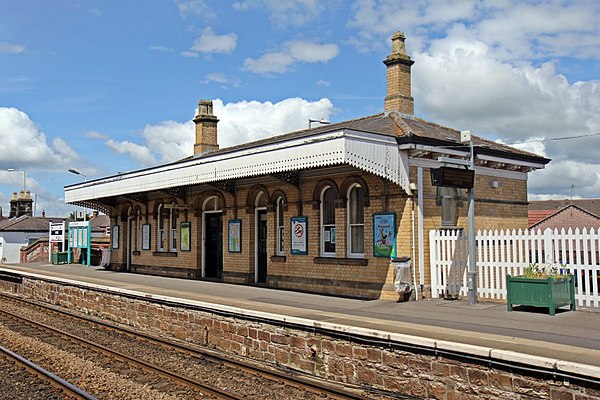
x=526, y=333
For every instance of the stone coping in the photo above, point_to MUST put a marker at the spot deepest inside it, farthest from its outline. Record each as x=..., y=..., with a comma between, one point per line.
x=493, y=355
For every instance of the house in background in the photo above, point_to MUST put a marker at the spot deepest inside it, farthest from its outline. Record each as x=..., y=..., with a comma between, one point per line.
x=559, y=214
x=24, y=238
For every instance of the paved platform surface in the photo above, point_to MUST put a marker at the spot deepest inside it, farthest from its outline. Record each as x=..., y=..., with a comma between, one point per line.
x=569, y=335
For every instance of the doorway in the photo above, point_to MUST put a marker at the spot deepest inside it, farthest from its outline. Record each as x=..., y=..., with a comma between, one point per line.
x=261, y=246
x=213, y=245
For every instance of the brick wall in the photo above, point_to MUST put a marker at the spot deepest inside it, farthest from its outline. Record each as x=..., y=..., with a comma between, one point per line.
x=504, y=206
x=395, y=366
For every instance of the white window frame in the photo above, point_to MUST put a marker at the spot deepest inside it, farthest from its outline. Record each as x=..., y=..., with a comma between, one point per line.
x=138, y=233
x=325, y=226
x=280, y=244
x=351, y=225
x=160, y=229
x=173, y=230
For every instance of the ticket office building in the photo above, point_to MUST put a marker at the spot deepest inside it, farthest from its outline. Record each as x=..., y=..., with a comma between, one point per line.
x=320, y=210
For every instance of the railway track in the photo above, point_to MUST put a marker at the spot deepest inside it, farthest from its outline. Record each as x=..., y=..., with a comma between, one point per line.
x=266, y=382
x=63, y=387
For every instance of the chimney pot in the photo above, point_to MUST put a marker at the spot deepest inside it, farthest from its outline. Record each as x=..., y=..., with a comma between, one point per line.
x=398, y=64
x=206, y=129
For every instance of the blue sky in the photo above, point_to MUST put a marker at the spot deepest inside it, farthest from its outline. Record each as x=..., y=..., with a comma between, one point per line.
x=111, y=86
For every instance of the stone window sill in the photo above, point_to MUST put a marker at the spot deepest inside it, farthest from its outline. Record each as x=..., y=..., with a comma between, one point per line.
x=341, y=261
x=278, y=259
x=164, y=254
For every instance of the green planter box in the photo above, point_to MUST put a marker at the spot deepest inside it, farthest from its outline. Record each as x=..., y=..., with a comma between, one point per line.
x=61, y=257
x=550, y=292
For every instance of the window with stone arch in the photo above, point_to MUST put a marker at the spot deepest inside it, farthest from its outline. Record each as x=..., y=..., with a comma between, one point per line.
x=160, y=231
x=356, y=220
x=279, y=210
x=138, y=229
x=167, y=229
x=328, y=233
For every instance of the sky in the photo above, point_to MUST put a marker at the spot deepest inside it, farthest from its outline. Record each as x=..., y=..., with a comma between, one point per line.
x=111, y=86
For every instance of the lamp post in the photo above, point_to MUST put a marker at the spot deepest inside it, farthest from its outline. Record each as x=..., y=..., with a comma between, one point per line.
x=465, y=137
x=74, y=171
x=24, y=176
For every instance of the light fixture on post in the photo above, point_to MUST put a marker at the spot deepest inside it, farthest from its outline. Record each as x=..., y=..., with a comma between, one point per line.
x=24, y=176
x=74, y=171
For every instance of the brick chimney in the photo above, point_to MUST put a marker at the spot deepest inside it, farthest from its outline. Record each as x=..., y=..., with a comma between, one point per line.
x=206, y=128
x=398, y=77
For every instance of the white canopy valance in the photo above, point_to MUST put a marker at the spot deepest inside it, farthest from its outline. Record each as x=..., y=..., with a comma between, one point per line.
x=373, y=153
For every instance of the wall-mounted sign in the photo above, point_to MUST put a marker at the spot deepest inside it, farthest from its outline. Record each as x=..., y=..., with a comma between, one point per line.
x=235, y=236
x=299, y=235
x=452, y=177
x=114, y=233
x=146, y=237
x=384, y=234
x=185, y=236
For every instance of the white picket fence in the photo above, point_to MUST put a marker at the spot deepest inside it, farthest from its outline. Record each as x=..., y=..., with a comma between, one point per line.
x=508, y=253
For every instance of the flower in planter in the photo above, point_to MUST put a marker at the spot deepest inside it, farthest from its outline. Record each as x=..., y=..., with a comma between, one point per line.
x=549, y=269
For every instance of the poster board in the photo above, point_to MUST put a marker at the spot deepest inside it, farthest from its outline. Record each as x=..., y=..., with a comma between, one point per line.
x=235, y=236
x=299, y=235
x=185, y=236
x=384, y=234
x=146, y=241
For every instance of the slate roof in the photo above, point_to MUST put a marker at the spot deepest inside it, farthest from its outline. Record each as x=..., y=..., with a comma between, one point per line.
x=592, y=206
x=406, y=129
x=580, y=219
x=25, y=223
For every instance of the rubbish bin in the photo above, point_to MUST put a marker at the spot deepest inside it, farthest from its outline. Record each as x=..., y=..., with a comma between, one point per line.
x=402, y=277
x=105, y=258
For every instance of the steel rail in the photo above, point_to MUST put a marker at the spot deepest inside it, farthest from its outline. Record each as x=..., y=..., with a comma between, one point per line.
x=47, y=376
x=290, y=378
x=206, y=389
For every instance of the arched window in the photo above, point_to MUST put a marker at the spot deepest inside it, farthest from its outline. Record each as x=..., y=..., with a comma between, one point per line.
x=280, y=227
x=167, y=229
x=356, y=221
x=328, y=222
x=138, y=231
x=173, y=232
x=160, y=240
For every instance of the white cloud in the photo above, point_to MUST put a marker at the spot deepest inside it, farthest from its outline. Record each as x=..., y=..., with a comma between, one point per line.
x=269, y=63
x=195, y=8
x=95, y=135
x=17, y=131
x=161, y=48
x=190, y=54
x=292, y=52
x=62, y=147
x=209, y=42
x=323, y=83
x=11, y=48
x=240, y=122
x=219, y=77
x=139, y=153
x=312, y=52
x=286, y=13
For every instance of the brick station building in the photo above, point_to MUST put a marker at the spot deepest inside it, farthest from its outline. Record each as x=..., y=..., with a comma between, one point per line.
x=316, y=210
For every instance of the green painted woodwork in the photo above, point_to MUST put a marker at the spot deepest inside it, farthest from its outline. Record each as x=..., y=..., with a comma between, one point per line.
x=538, y=292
